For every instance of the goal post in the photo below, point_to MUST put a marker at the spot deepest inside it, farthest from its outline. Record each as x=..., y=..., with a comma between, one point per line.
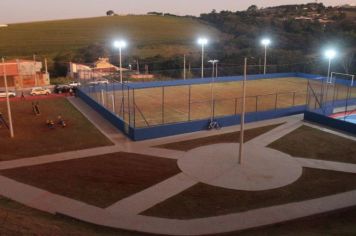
x=336, y=75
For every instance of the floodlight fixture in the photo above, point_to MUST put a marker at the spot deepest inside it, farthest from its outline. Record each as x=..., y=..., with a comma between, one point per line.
x=330, y=54
x=202, y=41
x=265, y=42
x=120, y=44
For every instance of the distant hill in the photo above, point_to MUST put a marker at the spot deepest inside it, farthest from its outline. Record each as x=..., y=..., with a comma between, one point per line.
x=147, y=35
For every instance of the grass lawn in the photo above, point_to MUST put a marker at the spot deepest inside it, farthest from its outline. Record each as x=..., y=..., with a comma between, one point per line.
x=313, y=143
x=100, y=180
x=33, y=137
x=221, y=138
x=203, y=200
x=147, y=35
x=17, y=219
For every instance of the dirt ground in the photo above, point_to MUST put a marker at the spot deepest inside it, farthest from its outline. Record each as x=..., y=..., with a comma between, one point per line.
x=262, y=95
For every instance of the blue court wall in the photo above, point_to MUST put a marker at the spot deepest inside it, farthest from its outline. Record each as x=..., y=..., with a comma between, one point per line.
x=330, y=122
x=194, y=126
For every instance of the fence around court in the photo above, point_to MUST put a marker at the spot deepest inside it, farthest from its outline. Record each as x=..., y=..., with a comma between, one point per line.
x=149, y=107
x=325, y=97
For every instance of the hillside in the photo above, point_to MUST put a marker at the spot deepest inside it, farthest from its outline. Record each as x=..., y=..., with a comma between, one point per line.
x=147, y=35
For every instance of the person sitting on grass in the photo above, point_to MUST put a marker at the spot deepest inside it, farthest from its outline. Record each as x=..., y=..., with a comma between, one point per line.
x=50, y=124
x=61, y=122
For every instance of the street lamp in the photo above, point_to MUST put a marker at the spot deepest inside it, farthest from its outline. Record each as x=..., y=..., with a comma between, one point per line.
x=7, y=99
x=213, y=62
x=330, y=54
x=202, y=42
x=120, y=45
x=265, y=42
x=242, y=122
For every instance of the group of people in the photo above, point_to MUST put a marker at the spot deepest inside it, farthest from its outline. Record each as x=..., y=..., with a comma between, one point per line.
x=60, y=122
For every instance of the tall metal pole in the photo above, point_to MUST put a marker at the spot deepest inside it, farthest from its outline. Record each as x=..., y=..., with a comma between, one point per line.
x=216, y=70
x=328, y=78
x=213, y=64
x=7, y=100
x=46, y=66
x=120, y=66
x=265, y=64
x=34, y=69
x=138, y=67
x=202, y=60
x=184, y=69
x=212, y=95
x=242, y=123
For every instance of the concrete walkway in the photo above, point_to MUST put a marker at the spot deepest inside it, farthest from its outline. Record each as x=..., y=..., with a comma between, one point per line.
x=124, y=214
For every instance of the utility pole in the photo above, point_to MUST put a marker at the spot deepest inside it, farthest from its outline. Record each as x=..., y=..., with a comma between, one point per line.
x=138, y=67
x=212, y=90
x=34, y=69
x=46, y=66
x=20, y=72
x=242, y=123
x=184, y=70
x=7, y=100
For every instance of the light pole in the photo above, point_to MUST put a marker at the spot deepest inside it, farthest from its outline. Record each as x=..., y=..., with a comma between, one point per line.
x=202, y=42
x=213, y=62
x=242, y=123
x=265, y=42
x=330, y=54
x=120, y=45
x=7, y=99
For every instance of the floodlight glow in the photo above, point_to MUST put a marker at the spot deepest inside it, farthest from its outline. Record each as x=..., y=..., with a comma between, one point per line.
x=266, y=42
x=202, y=41
x=120, y=44
x=330, y=54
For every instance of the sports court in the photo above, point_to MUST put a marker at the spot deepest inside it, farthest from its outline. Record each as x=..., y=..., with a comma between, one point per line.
x=144, y=107
x=162, y=108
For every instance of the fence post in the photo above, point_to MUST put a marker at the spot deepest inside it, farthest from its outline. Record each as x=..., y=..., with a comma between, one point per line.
x=189, y=101
x=123, y=101
x=235, y=106
x=102, y=98
x=113, y=103
x=307, y=99
x=128, y=104
x=134, y=108
x=106, y=94
x=347, y=102
x=276, y=102
x=256, y=103
x=293, y=99
x=214, y=109
x=163, y=105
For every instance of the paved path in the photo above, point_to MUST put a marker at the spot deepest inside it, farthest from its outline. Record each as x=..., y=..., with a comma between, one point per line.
x=146, y=199
x=125, y=213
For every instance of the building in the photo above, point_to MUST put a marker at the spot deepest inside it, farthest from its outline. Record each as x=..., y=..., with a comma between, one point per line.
x=101, y=68
x=23, y=74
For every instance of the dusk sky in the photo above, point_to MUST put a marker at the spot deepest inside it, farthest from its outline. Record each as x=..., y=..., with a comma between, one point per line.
x=37, y=10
